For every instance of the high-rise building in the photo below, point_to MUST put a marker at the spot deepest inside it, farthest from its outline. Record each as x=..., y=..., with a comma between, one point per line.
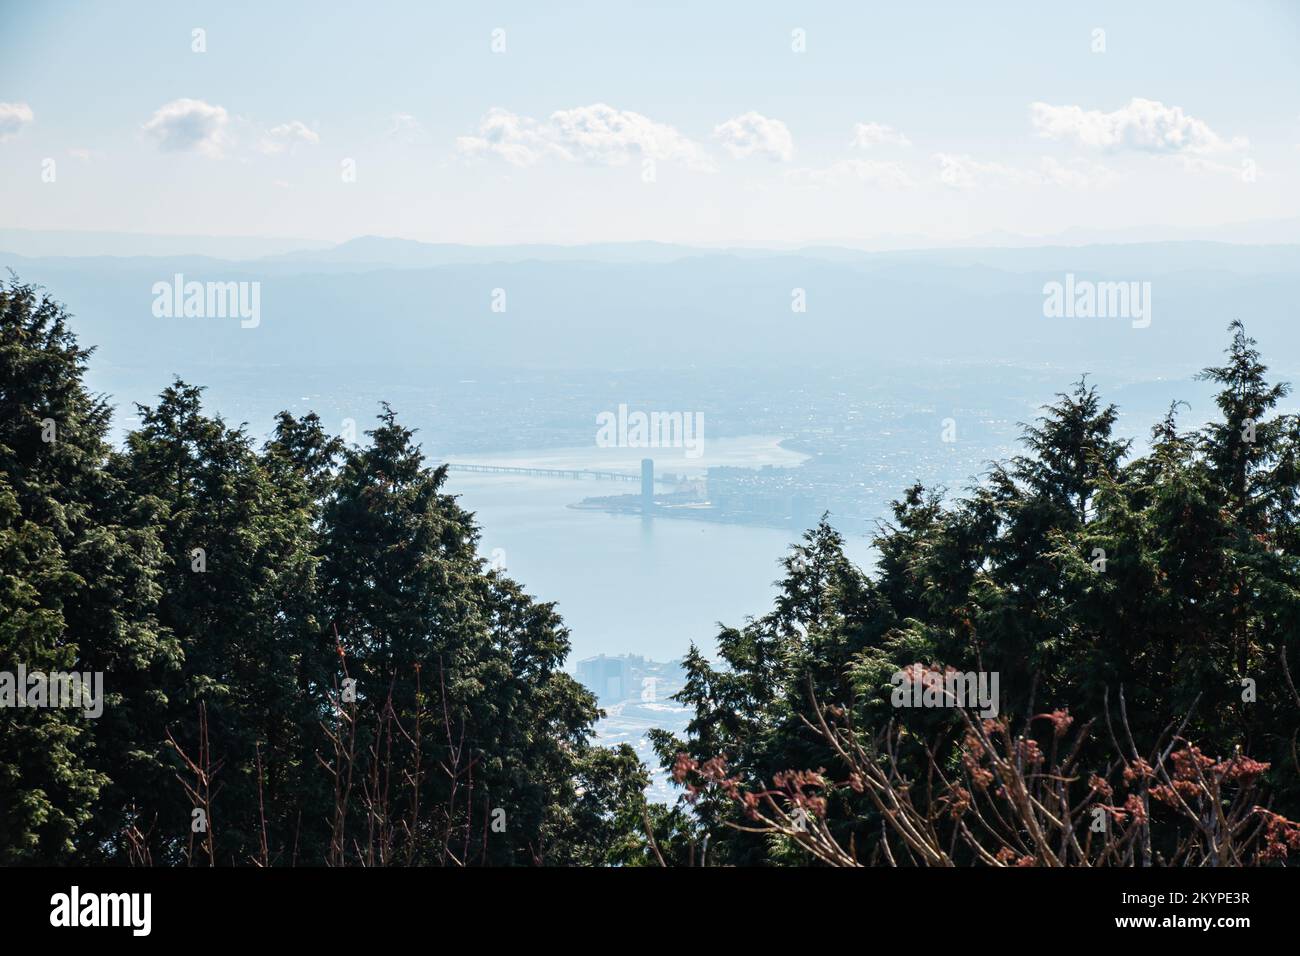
x=606, y=677
x=647, y=485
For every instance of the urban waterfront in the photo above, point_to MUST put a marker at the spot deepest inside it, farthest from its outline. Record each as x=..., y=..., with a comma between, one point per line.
x=627, y=584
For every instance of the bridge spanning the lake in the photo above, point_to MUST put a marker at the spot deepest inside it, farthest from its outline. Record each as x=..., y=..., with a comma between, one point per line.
x=576, y=474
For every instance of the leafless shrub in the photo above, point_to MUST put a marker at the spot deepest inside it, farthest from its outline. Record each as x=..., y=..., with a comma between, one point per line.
x=1005, y=802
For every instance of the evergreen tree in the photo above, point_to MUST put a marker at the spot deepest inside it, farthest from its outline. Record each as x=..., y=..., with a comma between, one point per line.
x=431, y=639
x=1157, y=592
x=305, y=660
x=79, y=565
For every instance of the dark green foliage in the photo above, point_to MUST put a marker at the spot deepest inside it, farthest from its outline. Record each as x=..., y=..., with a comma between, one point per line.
x=1169, y=579
x=80, y=566
x=231, y=595
x=300, y=640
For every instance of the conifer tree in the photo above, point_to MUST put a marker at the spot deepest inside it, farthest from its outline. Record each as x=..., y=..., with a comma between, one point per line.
x=79, y=561
x=1150, y=593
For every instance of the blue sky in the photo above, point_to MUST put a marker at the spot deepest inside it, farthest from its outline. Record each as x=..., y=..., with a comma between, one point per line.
x=933, y=119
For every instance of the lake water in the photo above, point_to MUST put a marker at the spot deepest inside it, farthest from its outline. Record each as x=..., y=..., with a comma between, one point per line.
x=627, y=583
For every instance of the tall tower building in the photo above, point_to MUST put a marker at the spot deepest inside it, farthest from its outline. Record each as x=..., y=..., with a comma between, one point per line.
x=647, y=485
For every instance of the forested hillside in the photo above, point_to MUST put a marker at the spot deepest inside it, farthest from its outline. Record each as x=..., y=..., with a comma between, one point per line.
x=1140, y=614
x=304, y=659
x=305, y=662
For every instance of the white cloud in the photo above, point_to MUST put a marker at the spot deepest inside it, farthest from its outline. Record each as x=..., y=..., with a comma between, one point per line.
x=1246, y=171
x=867, y=135
x=406, y=129
x=287, y=136
x=600, y=133
x=519, y=140
x=848, y=171
x=1142, y=125
x=1076, y=175
x=753, y=133
x=186, y=124
x=13, y=117
x=596, y=134
x=964, y=172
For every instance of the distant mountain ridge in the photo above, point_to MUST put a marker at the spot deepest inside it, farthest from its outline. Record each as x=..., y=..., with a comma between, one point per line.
x=371, y=250
x=79, y=243
x=703, y=307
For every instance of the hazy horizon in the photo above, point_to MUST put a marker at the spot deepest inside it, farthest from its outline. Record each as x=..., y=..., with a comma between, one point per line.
x=597, y=434
x=514, y=124
x=92, y=242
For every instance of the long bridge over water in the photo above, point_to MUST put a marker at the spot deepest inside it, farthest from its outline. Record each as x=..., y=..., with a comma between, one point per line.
x=574, y=473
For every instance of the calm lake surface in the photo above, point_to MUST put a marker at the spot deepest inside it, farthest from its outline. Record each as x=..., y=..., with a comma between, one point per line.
x=625, y=583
